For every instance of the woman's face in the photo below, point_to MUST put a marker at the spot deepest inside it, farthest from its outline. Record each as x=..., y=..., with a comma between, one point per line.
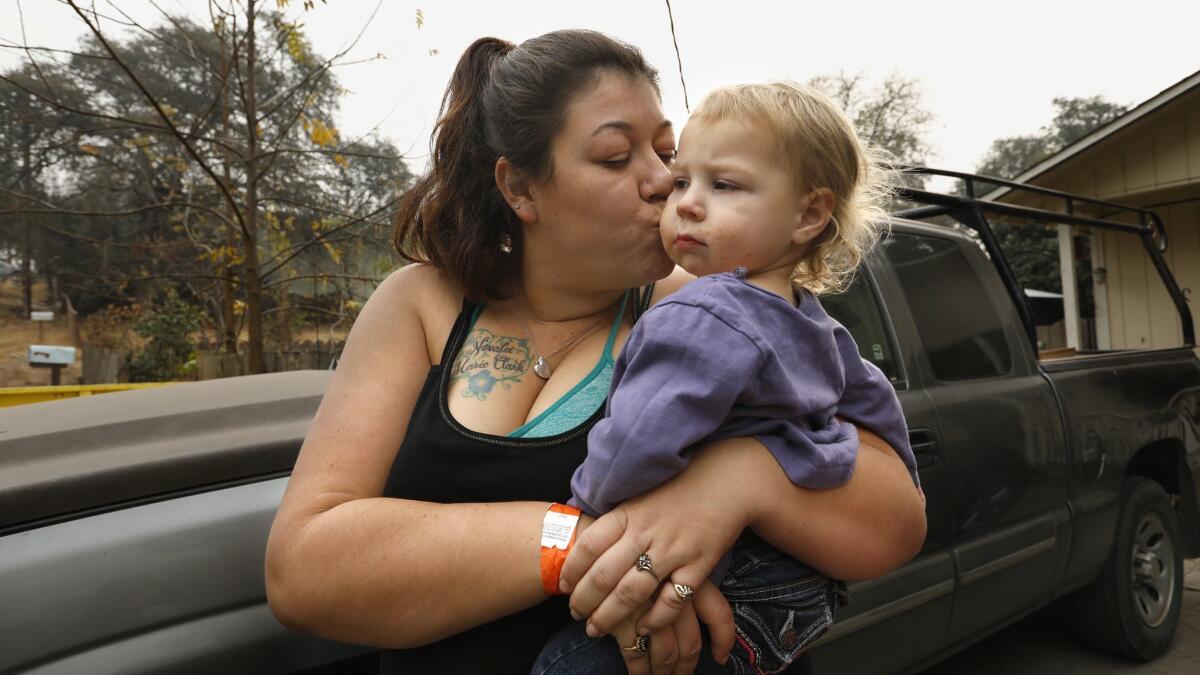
x=598, y=212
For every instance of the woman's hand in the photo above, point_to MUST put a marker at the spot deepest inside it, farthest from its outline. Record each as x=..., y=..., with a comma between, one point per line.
x=677, y=648
x=684, y=526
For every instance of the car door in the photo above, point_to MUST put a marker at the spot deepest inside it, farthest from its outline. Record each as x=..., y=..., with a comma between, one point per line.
x=1000, y=431
x=901, y=618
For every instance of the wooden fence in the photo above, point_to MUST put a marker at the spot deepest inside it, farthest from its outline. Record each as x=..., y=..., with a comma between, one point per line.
x=303, y=356
x=103, y=366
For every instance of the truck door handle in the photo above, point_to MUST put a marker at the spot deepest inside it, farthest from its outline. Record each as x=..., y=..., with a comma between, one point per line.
x=924, y=446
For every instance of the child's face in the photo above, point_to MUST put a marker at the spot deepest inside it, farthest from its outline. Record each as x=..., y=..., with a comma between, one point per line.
x=734, y=204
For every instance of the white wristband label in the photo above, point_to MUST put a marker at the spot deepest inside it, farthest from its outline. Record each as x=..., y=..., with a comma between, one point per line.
x=557, y=528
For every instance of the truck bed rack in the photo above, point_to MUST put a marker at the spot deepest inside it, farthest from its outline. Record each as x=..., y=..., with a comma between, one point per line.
x=971, y=210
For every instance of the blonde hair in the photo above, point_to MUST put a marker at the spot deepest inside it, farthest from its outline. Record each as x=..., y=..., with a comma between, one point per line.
x=821, y=149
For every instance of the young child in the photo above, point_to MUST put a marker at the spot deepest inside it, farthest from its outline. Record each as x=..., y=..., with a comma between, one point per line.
x=774, y=201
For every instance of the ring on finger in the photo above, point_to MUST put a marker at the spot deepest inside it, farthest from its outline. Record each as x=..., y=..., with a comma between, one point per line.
x=641, y=645
x=683, y=591
x=643, y=565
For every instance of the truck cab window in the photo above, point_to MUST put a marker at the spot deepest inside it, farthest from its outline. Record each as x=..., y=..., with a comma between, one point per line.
x=858, y=310
x=958, y=323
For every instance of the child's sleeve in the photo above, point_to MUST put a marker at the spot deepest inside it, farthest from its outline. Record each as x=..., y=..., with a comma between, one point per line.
x=869, y=400
x=679, y=374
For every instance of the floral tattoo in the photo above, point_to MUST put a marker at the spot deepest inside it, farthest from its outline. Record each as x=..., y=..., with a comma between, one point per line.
x=487, y=359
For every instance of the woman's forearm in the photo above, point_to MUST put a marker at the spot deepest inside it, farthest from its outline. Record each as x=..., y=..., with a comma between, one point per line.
x=399, y=573
x=868, y=527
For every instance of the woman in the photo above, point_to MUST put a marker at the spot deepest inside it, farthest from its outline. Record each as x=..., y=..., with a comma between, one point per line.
x=412, y=518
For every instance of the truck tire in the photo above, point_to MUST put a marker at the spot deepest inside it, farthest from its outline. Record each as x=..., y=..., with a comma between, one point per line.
x=1132, y=608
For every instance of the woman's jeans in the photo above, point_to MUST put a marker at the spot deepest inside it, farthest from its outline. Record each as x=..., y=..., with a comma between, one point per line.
x=779, y=607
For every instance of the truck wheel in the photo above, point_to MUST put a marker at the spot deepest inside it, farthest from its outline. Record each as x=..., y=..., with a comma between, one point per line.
x=1133, y=607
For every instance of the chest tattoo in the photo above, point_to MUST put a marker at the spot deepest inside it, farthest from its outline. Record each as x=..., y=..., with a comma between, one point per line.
x=487, y=359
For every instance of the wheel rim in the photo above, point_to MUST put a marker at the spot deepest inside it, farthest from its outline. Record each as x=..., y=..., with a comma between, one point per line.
x=1153, y=570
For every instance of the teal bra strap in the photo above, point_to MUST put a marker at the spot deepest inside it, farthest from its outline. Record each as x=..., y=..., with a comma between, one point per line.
x=475, y=315
x=606, y=360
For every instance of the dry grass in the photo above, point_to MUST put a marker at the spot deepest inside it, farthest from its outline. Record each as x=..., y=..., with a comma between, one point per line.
x=17, y=333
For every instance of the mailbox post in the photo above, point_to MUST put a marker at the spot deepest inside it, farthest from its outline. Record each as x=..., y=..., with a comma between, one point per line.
x=41, y=318
x=53, y=357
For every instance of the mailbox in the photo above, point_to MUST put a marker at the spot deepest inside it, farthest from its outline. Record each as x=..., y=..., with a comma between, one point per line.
x=51, y=355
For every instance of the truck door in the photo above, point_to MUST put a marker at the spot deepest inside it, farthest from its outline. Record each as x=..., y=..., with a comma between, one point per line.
x=999, y=428
x=902, y=618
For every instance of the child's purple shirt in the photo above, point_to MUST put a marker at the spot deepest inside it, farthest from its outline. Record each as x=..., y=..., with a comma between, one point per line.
x=722, y=358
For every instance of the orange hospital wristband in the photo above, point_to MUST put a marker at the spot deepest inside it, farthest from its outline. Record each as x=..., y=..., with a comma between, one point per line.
x=558, y=536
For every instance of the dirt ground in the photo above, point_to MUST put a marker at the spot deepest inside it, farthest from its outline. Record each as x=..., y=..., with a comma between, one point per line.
x=17, y=333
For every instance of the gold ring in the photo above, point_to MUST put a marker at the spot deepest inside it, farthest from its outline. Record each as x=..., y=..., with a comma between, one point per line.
x=641, y=645
x=684, y=591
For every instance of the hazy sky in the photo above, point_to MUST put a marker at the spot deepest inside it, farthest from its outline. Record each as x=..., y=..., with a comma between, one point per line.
x=987, y=69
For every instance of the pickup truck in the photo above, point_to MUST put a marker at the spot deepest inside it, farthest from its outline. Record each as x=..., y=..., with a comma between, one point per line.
x=133, y=525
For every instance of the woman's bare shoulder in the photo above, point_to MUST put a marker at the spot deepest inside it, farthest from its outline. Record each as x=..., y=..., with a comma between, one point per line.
x=675, y=281
x=423, y=292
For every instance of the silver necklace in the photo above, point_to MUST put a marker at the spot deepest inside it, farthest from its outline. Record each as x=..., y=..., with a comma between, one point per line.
x=541, y=365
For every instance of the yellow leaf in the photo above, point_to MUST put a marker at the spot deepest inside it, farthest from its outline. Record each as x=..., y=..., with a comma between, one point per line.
x=321, y=134
x=341, y=161
x=89, y=148
x=333, y=252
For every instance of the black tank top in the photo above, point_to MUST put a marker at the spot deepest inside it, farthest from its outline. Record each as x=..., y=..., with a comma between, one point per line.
x=442, y=461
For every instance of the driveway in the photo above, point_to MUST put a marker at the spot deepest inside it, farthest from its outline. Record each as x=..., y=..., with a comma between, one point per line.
x=1040, y=646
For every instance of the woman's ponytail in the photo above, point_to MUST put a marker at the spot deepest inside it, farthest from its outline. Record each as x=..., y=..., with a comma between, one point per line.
x=454, y=216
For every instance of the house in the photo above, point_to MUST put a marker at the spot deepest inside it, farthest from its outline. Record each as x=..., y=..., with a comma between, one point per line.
x=1150, y=158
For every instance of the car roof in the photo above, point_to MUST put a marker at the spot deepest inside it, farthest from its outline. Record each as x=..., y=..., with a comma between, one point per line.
x=71, y=457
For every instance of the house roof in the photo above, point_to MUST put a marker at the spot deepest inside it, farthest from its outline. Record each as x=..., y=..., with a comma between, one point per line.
x=1148, y=107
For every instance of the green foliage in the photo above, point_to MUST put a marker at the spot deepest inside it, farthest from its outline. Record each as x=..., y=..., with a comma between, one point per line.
x=168, y=351
x=1032, y=248
x=137, y=213
x=1074, y=118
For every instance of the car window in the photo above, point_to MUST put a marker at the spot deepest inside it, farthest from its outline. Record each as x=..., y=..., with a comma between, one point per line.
x=858, y=310
x=958, y=322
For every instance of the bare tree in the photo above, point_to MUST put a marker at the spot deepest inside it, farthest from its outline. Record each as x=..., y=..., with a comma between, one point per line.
x=890, y=115
x=216, y=149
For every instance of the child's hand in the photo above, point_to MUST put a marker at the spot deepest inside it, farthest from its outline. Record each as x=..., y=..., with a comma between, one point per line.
x=707, y=605
x=674, y=650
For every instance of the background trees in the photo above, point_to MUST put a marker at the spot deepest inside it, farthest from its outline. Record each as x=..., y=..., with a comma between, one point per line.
x=198, y=157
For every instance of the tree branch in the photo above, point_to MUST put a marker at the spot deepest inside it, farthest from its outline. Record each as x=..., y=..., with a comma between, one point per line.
x=165, y=118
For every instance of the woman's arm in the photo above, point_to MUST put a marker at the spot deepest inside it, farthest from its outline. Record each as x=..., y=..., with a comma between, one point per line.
x=345, y=563
x=861, y=530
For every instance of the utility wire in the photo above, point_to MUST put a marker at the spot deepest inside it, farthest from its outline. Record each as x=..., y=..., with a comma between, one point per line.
x=678, y=58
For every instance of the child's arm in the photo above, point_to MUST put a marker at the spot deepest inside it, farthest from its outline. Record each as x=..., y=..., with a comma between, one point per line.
x=675, y=382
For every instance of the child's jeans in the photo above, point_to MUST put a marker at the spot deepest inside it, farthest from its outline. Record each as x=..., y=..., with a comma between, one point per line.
x=779, y=607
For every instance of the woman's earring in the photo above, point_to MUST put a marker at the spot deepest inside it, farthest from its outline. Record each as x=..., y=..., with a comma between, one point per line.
x=505, y=243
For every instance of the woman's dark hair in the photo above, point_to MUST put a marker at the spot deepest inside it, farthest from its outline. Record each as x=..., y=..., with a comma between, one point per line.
x=503, y=100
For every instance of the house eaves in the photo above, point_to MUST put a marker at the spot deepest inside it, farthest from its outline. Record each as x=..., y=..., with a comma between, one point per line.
x=1148, y=107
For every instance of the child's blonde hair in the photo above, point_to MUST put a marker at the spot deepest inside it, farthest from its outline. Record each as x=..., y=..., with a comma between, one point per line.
x=821, y=149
